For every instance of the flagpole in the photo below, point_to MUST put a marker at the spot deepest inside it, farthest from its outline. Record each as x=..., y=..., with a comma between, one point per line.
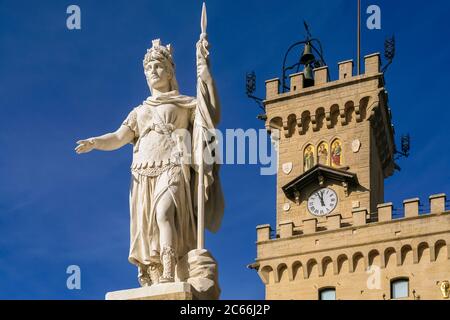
x=359, y=39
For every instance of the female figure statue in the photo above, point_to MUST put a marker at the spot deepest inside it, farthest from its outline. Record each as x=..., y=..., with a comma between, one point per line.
x=167, y=132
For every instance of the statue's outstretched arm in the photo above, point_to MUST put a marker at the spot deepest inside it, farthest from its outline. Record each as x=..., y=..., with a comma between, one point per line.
x=107, y=142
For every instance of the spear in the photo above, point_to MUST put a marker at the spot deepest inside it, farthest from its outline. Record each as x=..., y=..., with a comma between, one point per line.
x=201, y=186
x=204, y=21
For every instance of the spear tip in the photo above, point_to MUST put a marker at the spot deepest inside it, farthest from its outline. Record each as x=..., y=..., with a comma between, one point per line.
x=204, y=21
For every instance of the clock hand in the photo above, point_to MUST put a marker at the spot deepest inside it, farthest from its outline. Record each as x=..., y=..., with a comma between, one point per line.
x=321, y=199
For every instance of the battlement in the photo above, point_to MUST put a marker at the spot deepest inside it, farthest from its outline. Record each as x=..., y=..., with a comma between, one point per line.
x=361, y=217
x=321, y=76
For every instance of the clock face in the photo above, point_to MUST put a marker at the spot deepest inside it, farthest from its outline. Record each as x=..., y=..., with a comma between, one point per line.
x=322, y=202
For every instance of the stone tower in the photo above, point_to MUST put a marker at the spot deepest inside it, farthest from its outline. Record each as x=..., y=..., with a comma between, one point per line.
x=335, y=143
x=335, y=135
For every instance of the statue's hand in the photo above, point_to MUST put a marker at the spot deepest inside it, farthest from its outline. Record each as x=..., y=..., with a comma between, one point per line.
x=85, y=146
x=202, y=58
x=202, y=47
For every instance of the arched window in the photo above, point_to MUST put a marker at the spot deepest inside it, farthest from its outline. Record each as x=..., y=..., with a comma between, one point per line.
x=308, y=158
x=400, y=288
x=327, y=294
x=336, y=153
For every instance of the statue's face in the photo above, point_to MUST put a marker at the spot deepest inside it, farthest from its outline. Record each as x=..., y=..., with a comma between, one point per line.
x=158, y=77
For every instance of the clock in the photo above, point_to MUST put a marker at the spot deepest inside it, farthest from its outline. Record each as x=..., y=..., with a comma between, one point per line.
x=322, y=202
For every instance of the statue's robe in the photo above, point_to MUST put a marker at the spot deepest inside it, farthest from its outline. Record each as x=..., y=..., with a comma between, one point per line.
x=156, y=173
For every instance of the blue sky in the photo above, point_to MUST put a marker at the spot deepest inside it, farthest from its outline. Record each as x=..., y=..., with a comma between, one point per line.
x=58, y=86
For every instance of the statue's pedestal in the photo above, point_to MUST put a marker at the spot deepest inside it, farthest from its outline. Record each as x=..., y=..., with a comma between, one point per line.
x=197, y=279
x=166, y=291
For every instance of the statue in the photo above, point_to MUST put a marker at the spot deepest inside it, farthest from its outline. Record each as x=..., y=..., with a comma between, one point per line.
x=173, y=193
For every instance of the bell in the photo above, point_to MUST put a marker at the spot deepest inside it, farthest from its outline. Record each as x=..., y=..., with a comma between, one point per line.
x=309, y=77
x=307, y=56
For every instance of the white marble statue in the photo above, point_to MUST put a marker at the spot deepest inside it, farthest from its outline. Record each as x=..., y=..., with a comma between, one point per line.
x=168, y=132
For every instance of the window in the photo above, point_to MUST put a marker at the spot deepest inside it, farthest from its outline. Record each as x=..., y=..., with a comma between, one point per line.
x=400, y=288
x=327, y=294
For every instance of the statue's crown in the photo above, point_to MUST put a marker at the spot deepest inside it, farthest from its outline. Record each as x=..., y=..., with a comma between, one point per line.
x=158, y=49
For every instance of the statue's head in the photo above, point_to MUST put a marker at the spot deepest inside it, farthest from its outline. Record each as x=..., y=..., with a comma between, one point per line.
x=159, y=67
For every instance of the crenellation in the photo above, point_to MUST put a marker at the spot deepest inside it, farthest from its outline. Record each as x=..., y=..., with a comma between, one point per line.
x=372, y=64
x=263, y=232
x=437, y=203
x=411, y=207
x=333, y=222
x=345, y=69
x=286, y=229
x=297, y=81
x=385, y=212
x=272, y=88
x=321, y=75
x=310, y=226
x=359, y=216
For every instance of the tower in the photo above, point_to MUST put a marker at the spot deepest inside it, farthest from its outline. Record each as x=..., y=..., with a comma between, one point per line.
x=335, y=144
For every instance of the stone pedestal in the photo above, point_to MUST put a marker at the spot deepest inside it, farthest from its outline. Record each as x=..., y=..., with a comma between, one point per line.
x=166, y=291
x=196, y=279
